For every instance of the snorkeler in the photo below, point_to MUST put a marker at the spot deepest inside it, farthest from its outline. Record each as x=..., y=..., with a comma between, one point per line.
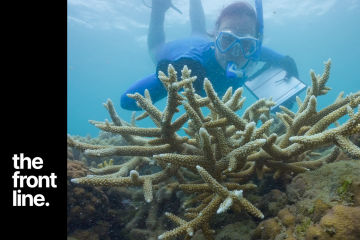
x=228, y=59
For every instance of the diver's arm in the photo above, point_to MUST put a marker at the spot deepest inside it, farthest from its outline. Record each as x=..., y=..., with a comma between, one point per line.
x=197, y=18
x=151, y=83
x=276, y=59
x=156, y=33
x=193, y=65
x=155, y=87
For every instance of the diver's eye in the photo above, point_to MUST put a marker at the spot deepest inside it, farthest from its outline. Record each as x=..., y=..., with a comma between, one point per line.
x=249, y=46
x=226, y=41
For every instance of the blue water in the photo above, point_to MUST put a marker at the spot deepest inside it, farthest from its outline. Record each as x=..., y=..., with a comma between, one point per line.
x=107, y=49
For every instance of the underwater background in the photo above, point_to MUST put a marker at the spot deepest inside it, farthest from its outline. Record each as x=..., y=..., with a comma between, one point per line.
x=107, y=49
x=294, y=176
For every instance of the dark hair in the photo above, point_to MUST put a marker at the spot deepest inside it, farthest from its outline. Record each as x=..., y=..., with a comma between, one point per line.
x=236, y=9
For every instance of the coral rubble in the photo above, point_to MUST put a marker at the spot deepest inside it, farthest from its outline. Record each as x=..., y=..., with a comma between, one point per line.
x=223, y=151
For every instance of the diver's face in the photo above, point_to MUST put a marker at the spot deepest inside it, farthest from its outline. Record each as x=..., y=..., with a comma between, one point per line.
x=241, y=26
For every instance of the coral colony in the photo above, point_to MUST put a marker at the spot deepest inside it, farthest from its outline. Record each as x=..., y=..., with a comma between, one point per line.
x=222, y=151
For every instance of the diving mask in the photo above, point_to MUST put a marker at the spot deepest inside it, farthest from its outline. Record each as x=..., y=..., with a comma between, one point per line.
x=227, y=41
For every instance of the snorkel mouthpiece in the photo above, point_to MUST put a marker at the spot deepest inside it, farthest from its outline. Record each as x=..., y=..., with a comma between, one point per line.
x=233, y=71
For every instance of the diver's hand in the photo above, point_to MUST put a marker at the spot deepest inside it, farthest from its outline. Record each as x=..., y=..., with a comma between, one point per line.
x=289, y=65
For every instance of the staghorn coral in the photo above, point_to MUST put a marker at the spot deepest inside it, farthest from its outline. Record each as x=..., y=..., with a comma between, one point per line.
x=225, y=149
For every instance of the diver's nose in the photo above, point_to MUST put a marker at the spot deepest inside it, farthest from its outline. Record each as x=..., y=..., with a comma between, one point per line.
x=236, y=51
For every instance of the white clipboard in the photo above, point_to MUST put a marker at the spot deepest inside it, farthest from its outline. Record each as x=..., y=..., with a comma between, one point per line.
x=273, y=83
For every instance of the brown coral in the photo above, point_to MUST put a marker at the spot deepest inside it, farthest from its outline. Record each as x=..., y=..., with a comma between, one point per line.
x=286, y=217
x=355, y=189
x=267, y=230
x=340, y=223
x=320, y=207
x=76, y=169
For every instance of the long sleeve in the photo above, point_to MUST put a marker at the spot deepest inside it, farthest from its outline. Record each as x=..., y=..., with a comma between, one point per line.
x=180, y=52
x=276, y=59
x=151, y=83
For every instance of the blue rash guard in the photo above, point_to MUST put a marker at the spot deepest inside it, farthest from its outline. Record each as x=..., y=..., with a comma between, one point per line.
x=199, y=55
